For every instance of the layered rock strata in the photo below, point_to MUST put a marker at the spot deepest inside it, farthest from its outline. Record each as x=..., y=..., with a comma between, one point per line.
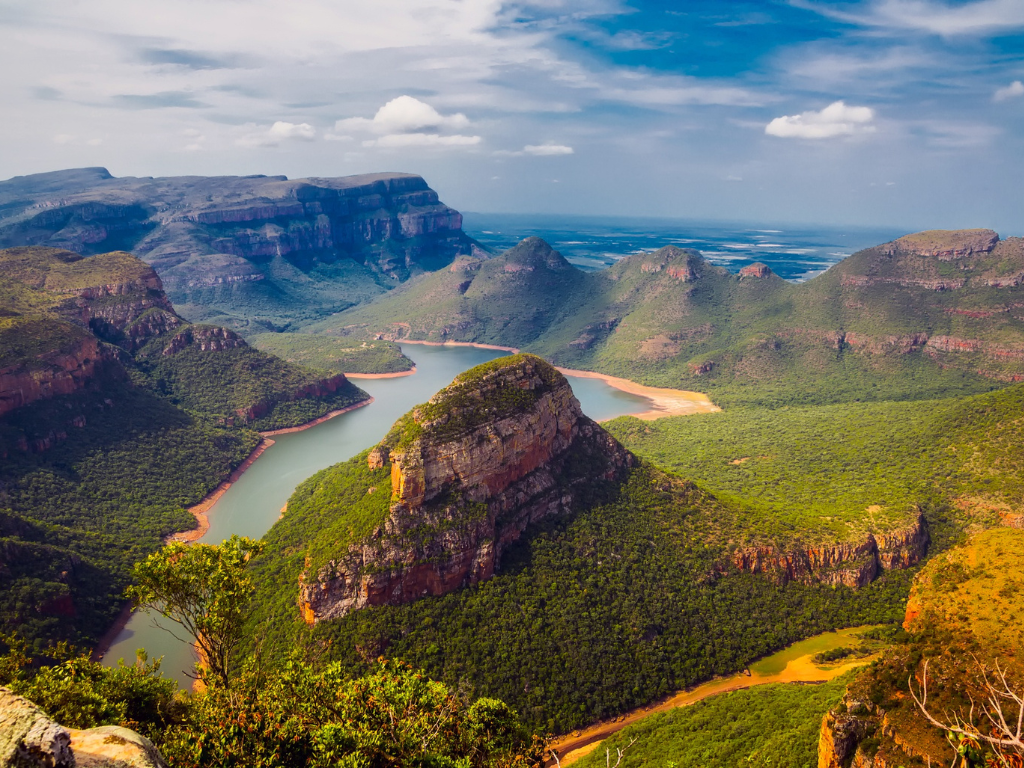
x=504, y=446
x=854, y=564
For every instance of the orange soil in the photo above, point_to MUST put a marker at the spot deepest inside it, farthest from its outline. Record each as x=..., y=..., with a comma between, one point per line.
x=576, y=745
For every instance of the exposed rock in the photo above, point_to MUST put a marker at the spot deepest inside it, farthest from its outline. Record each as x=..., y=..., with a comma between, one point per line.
x=837, y=743
x=208, y=338
x=757, y=269
x=945, y=245
x=851, y=564
x=29, y=739
x=202, y=233
x=52, y=374
x=502, y=447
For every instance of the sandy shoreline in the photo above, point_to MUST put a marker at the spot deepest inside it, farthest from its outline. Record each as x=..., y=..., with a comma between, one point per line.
x=395, y=375
x=513, y=350
x=664, y=402
x=321, y=420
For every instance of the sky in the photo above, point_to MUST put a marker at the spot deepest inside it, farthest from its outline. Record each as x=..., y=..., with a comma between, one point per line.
x=903, y=113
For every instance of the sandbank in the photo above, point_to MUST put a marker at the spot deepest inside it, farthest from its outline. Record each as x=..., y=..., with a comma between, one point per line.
x=664, y=402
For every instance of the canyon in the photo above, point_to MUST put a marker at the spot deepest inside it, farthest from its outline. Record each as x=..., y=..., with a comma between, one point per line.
x=265, y=249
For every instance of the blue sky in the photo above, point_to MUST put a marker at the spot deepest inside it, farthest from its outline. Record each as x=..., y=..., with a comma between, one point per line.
x=905, y=113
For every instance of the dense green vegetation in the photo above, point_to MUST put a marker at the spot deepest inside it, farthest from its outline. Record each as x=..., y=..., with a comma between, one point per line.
x=230, y=381
x=856, y=332
x=815, y=473
x=588, y=617
x=92, y=481
x=334, y=353
x=766, y=726
x=74, y=518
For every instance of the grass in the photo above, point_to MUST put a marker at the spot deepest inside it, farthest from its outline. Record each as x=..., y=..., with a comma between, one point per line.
x=824, y=473
x=770, y=725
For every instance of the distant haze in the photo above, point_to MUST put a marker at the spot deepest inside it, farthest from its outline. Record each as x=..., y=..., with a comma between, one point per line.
x=892, y=113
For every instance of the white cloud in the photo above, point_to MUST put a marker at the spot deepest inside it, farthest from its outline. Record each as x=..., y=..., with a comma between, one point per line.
x=932, y=16
x=547, y=149
x=833, y=121
x=302, y=131
x=278, y=132
x=404, y=115
x=401, y=140
x=1014, y=89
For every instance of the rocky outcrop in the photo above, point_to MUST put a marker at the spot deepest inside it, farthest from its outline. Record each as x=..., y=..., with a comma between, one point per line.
x=56, y=373
x=945, y=245
x=207, y=338
x=504, y=446
x=29, y=739
x=219, y=234
x=757, y=269
x=852, y=564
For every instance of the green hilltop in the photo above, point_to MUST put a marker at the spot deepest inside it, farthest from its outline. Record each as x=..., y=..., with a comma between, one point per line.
x=929, y=315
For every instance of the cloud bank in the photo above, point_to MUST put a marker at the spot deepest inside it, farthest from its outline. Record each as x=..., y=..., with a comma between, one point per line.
x=835, y=120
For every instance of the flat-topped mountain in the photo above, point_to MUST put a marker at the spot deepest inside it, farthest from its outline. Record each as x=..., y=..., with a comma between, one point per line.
x=504, y=446
x=931, y=314
x=265, y=249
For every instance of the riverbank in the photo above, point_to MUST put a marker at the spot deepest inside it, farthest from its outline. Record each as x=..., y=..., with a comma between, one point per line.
x=513, y=350
x=395, y=375
x=798, y=668
x=664, y=402
x=200, y=513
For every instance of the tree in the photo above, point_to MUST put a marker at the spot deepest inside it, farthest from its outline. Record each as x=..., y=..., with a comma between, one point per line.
x=206, y=589
x=1002, y=711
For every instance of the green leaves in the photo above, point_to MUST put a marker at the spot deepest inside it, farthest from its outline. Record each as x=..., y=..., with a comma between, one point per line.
x=205, y=589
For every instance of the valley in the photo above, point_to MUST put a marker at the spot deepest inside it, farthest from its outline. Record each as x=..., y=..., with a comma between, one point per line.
x=576, y=543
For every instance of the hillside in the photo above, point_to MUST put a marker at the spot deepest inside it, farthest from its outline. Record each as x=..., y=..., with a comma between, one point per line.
x=962, y=614
x=253, y=253
x=333, y=353
x=928, y=315
x=499, y=560
x=115, y=416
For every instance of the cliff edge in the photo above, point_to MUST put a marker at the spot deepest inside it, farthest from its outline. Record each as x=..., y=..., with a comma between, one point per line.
x=504, y=446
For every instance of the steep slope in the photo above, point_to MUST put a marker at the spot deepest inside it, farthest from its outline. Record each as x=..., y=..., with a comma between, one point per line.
x=498, y=536
x=116, y=415
x=961, y=619
x=928, y=315
x=266, y=251
x=512, y=300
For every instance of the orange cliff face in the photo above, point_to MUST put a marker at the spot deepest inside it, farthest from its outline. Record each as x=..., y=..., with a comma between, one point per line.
x=469, y=472
x=853, y=564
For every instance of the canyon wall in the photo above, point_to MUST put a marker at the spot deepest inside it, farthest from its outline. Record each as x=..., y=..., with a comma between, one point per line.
x=470, y=470
x=853, y=564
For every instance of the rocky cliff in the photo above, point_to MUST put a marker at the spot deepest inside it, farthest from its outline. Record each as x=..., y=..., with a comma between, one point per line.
x=245, y=245
x=29, y=739
x=853, y=564
x=504, y=446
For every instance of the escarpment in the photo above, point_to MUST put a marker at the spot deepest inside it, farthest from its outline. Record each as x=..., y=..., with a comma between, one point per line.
x=852, y=564
x=246, y=246
x=504, y=446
